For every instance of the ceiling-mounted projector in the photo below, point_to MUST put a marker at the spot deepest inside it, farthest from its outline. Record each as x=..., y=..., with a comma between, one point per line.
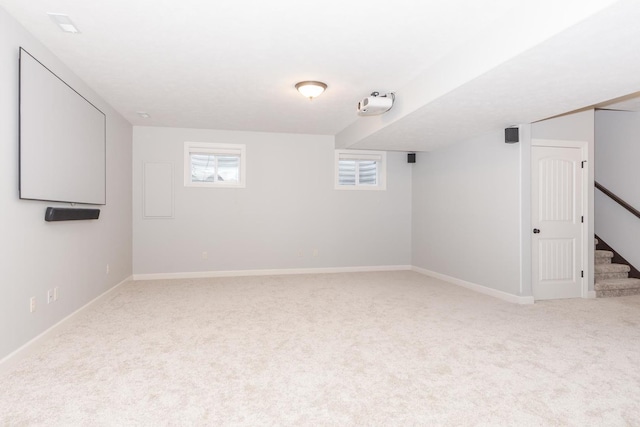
x=376, y=104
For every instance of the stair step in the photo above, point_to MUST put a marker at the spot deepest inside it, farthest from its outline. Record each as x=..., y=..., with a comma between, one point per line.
x=605, y=276
x=617, y=284
x=617, y=288
x=603, y=257
x=618, y=293
x=610, y=276
x=603, y=254
x=611, y=268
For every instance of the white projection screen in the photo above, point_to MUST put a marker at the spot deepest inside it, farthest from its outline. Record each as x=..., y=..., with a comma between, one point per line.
x=62, y=139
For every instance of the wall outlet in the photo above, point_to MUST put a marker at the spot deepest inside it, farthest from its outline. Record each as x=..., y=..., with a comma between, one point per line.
x=300, y=253
x=315, y=252
x=108, y=269
x=205, y=255
x=50, y=296
x=32, y=304
x=56, y=292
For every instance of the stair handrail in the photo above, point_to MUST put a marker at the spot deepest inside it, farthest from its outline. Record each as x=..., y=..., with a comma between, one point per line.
x=617, y=199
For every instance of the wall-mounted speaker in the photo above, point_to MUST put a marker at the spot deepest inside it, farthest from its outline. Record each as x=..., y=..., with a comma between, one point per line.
x=511, y=135
x=411, y=157
x=69, y=214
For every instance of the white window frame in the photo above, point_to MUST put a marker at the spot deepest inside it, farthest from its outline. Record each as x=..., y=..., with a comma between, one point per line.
x=379, y=156
x=215, y=148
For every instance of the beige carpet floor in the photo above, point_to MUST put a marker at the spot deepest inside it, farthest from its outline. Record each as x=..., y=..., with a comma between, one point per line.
x=392, y=348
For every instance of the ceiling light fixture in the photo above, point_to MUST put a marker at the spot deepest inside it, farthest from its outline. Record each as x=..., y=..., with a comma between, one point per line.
x=144, y=114
x=311, y=89
x=64, y=22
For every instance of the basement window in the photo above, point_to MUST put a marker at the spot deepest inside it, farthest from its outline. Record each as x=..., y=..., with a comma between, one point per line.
x=360, y=170
x=208, y=164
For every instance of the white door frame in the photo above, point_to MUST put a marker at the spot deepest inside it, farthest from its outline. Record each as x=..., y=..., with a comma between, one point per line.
x=584, y=150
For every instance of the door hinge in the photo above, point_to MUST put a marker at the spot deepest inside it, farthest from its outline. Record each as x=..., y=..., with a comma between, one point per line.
x=582, y=219
x=581, y=273
x=582, y=164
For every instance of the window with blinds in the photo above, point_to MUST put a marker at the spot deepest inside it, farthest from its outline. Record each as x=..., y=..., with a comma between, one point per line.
x=360, y=170
x=214, y=165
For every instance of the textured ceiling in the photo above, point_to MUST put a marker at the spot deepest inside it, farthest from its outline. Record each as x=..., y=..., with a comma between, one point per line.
x=582, y=67
x=233, y=65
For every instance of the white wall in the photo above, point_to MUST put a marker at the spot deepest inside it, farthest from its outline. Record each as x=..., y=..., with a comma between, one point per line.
x=617, y=148
x=466, y=212
x=36, y=255
x=289, y=205
x=471, y=205
x=575, y=127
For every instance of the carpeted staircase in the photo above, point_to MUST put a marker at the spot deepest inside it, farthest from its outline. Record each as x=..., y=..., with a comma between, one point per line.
x=612, y=280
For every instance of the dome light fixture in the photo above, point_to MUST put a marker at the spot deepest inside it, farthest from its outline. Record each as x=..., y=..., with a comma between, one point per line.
x=311, y=89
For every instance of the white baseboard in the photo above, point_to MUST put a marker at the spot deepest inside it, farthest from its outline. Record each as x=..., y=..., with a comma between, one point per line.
x=273, y=272
x=475, y=287
x=591, y=294
x=25, y=350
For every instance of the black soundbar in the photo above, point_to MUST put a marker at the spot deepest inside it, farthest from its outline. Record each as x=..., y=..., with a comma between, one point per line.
x=69, y=214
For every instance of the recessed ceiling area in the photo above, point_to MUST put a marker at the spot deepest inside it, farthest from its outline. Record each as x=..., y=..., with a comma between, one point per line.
x=459, y=68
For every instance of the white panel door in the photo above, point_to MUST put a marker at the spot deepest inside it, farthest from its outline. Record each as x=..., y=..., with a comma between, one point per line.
x=557, y=214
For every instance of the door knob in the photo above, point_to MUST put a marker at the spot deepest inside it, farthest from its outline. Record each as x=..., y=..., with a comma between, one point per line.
x=536, y=231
